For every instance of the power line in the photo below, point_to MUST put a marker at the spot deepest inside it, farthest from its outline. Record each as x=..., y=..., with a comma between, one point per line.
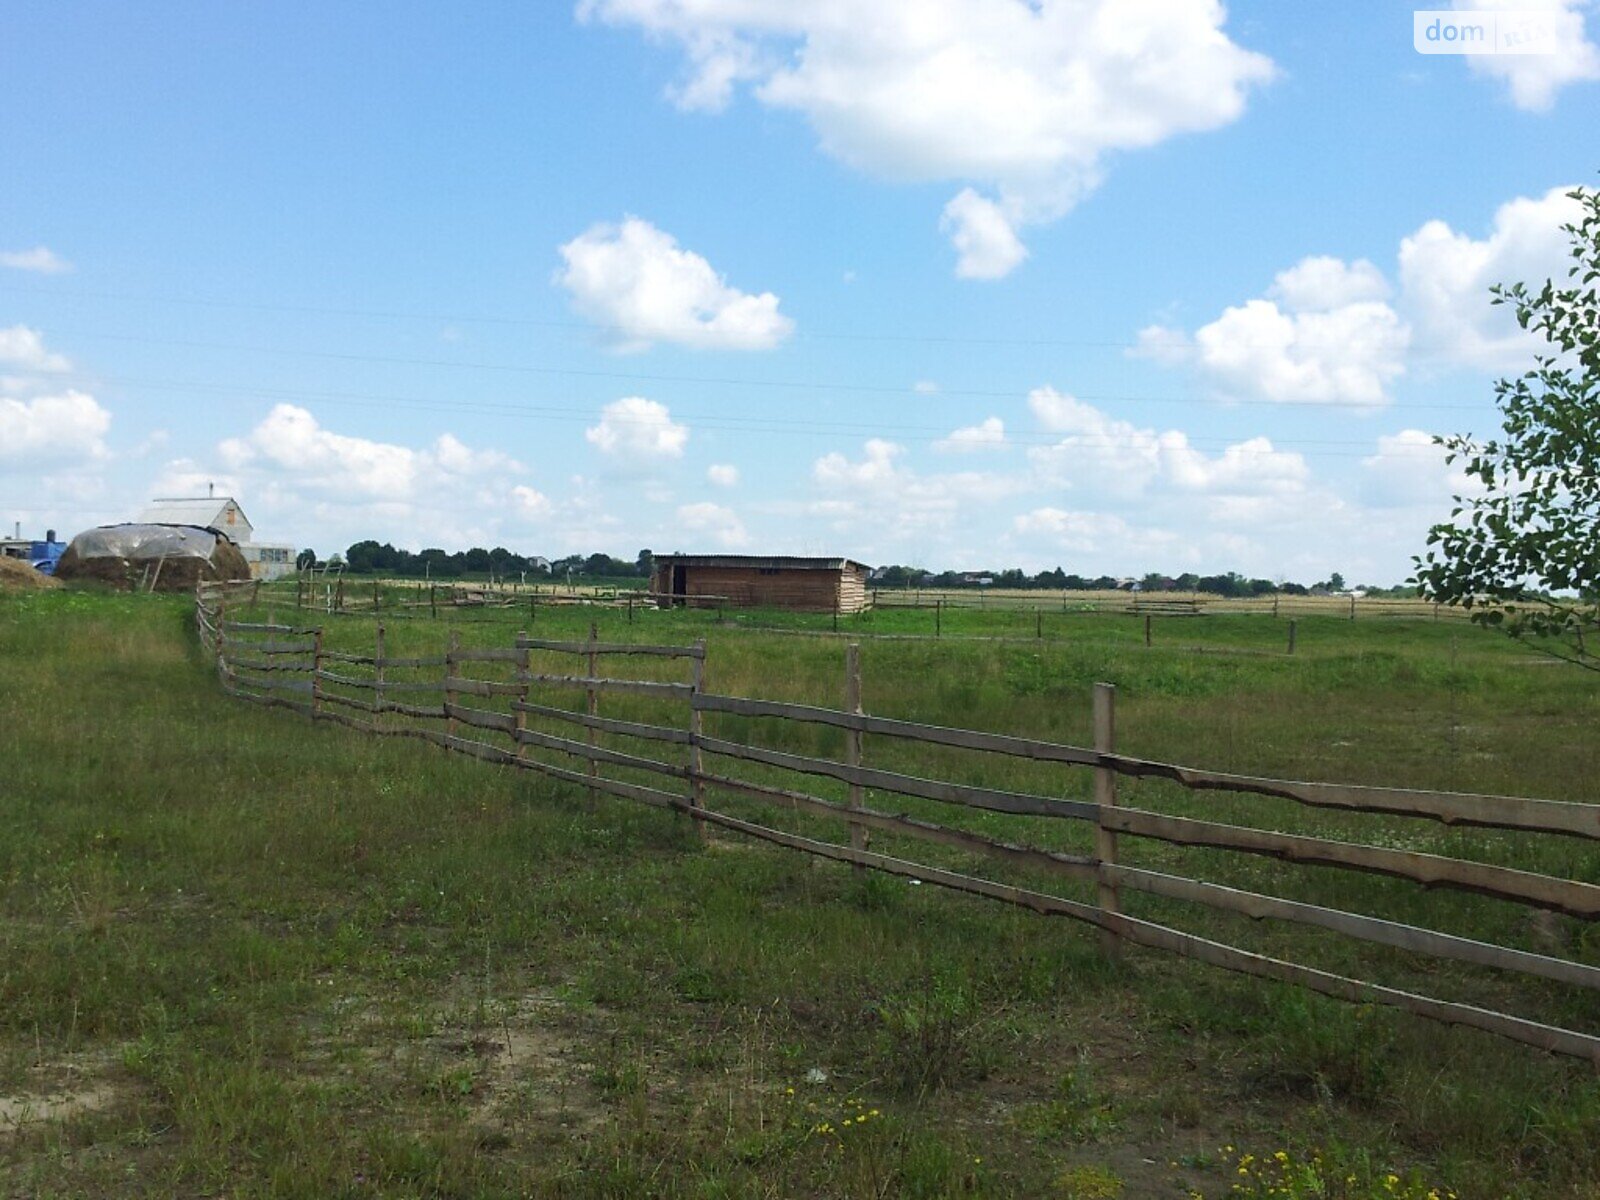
x=763, y=425
x=723, y=381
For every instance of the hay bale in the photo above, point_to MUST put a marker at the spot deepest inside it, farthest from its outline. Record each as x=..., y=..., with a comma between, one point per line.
x=150, y=557
x=18, y=575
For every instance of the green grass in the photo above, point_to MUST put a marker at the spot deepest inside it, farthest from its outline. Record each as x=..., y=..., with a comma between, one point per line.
x=243, y=954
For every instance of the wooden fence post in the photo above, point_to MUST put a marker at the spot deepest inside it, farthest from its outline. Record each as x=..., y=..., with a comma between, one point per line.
x=451, y=646
x=433, y=600
x=338, y=601
x=697, y=787
x=1147, y=631
x=1274, y=604
x=852, y=742
x=316, y=674
x=1291, y=634
x=524, y=670
x=377, y=680
x=593, y=701
x=1105, y=797
x=938, y=618
x=1038, y=624
x=374, y=597
x=1352, y=608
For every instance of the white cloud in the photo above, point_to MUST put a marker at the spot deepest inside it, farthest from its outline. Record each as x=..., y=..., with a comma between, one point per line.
x=1445, y=278
x=530, y=503
x=1324, y=336
x=1409, y=469
x=638, y=429
x=880, y=494
x=637, y=282
x=925, y=387
x=70, y=425
x=1532, y=80
x=723, y=475
x=1025, y=99
x=24, y=347
x=1116, y=458
x=986, y=244
x=41, y=260
x=1321, y=282
x=988, y=434
x=713, y=521
x=1094, y=533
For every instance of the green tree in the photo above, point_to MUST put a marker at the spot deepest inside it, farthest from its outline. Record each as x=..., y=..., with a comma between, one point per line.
x=1524, y=552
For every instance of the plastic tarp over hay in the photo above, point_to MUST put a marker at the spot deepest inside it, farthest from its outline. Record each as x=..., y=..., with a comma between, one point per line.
x=162, y=558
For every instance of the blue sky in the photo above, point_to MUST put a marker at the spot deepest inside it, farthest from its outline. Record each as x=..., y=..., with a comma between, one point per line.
x=1115, y=286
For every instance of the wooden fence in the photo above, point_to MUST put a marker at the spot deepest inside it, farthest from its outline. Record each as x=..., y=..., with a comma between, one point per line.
x=289, y=666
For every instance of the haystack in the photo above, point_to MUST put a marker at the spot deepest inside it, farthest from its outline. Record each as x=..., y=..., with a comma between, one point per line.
x=19, y=575
x=161, y=558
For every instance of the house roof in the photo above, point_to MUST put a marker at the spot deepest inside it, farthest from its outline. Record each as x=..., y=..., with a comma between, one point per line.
x=781, y=562
x=200, y=510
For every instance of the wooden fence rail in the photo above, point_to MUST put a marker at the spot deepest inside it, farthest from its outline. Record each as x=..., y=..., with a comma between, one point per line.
x=254, y=656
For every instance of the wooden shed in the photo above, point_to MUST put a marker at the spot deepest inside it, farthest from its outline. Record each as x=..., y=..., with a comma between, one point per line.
x=753, y=581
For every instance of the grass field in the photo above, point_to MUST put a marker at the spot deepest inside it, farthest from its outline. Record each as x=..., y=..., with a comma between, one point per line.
x=243, y=955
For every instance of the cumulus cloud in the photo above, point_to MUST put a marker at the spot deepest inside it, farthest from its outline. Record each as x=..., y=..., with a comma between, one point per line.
x=1097, y=533
x=23, y=347
x=1023, y=99
x=882, y=490
x=723, y=475
x=713, y=521
x=1409, y=469
x=642, y=287
x=1532, y=80
x=988, y=434
x=69, y=425
x=638, y=429
x=41, y=260
x=1110, y=456
x=293, y=447
x=1323, y=335
x=986, y=244
x=1445, y=278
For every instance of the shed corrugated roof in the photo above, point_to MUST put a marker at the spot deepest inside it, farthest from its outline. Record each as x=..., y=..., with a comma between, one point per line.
x=201, y=510
x=781, y=562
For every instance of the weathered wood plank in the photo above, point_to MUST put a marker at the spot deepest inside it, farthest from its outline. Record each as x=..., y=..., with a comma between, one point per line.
x=641, y=687
x=477, y=687
x=1368, y=929
x=1071, y=865
x=1464, y=808
x=526, y=643
x=598, y=754
x=659, y=733
x=481, y=718
x=990, y=799
x=1147, y=933
x=1430, y=870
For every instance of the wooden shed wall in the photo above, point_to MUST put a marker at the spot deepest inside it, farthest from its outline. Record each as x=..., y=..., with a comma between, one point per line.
x=794, y=588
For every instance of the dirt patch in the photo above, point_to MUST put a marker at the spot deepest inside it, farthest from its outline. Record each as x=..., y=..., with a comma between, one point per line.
x=19, y=576
x=54, y=1093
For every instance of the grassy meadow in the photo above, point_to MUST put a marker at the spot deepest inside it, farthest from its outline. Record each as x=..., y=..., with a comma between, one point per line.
x=243, y=954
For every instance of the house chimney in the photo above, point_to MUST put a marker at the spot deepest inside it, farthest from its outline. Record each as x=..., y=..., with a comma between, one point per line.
x=19, y=531
x=50, y=535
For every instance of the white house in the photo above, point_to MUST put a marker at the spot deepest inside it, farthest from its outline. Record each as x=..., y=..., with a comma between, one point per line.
x=268, y=560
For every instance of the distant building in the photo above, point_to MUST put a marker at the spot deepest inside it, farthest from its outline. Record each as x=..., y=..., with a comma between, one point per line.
x=41, y=554
x=268, y=560
x=753, y=581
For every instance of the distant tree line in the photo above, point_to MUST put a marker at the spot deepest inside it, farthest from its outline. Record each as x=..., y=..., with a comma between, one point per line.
x=380, y=558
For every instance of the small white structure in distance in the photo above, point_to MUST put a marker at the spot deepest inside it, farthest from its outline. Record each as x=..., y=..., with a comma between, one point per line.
x=268, y=560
